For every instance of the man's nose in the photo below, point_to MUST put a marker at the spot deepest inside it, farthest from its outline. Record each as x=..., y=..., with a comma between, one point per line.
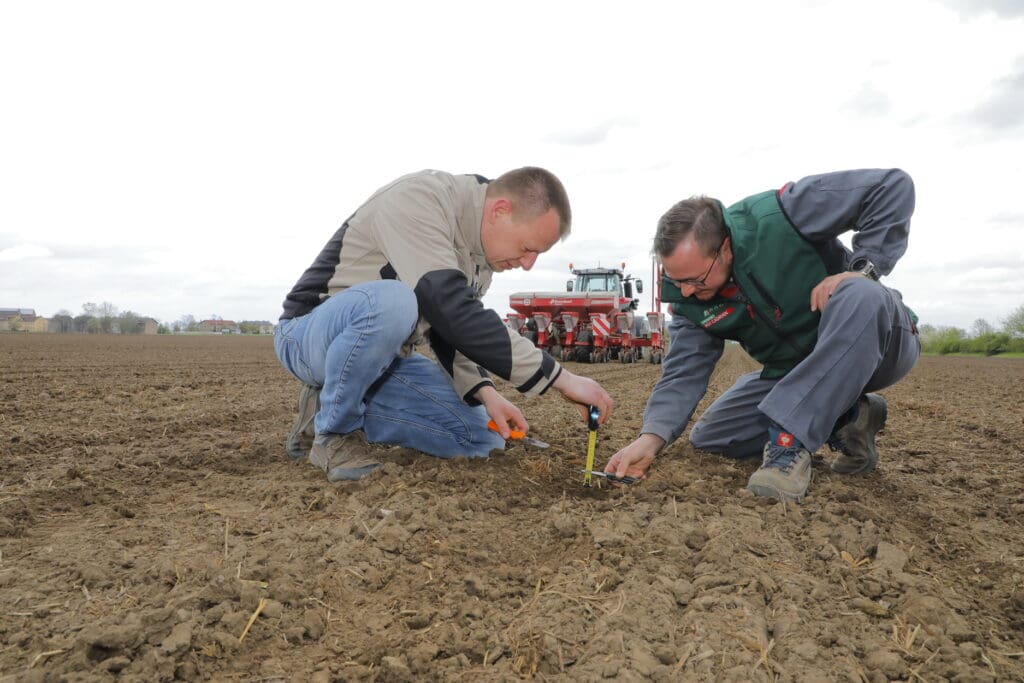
x=687, y=290
x=527, y=261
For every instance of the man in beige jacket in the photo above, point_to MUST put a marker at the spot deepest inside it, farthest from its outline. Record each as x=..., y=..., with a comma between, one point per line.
x=411, y=264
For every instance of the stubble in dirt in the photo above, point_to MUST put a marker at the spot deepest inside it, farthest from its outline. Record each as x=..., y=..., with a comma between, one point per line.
x=148, y=511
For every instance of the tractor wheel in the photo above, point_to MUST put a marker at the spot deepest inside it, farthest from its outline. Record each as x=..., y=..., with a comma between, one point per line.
x=556, y=351
x=645, y=353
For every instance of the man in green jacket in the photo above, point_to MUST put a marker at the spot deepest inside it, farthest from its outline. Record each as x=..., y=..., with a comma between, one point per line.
x=770, y=273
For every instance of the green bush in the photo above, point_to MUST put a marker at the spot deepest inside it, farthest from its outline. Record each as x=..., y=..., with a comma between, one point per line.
x=990, y=343
x=942, y=339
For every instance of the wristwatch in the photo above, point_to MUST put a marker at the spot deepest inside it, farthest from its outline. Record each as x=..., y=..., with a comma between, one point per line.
x=864, y=267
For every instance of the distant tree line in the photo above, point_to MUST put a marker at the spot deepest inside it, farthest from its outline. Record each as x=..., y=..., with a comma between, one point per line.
x=983, y=338
x=105, y=318
x=97, y=318
x=188, y=323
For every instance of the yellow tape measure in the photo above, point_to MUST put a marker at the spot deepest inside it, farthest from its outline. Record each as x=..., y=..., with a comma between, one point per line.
x=592, y=416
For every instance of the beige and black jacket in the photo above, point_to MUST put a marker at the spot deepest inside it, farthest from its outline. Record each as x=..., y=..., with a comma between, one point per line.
x=424, y=230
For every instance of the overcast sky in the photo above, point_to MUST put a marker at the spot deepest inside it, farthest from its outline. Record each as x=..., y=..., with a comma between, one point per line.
x=193, y=157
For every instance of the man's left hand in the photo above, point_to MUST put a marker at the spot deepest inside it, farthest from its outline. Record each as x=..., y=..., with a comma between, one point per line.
x=827, y=287
x=504, y=413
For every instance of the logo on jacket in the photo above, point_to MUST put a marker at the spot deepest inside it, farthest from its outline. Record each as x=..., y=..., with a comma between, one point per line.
x=716, y=314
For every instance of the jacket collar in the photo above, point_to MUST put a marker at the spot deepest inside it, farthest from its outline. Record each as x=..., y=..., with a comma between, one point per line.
x=471, y=214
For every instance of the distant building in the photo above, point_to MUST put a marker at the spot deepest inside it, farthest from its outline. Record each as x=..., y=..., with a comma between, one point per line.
x=219, y=326
x=17, y=319
x=27, y=315
x=144, y=326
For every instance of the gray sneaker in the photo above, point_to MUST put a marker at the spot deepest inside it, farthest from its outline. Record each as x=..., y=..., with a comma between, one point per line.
x=342, y=456
x=785, y=473
x=855, y=440
x=301, y=438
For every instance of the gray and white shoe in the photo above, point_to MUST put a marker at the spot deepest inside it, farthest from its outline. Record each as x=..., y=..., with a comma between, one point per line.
x=785, y=473
x=300, y=440
x=855, y=441
x=342, y=456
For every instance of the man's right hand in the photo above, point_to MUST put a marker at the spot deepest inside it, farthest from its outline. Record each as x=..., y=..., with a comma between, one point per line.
x=634, y=459
x=585, y=392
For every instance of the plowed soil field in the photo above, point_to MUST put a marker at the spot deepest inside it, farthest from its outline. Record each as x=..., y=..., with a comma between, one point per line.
x=148, y=511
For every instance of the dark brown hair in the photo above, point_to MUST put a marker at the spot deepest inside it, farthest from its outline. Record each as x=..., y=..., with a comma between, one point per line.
x=698, y=216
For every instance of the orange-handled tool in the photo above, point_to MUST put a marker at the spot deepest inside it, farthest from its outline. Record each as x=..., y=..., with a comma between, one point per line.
x=517, y=435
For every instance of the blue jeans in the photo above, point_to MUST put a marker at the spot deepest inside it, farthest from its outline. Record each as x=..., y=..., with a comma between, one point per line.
x=349, y=346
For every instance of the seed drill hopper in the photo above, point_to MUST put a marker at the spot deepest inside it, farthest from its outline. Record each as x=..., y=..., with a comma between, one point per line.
x=594, y=320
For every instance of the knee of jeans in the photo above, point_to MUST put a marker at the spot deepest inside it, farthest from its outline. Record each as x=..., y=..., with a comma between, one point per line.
x=290, y=356
x=398, y=302
x=491, y=443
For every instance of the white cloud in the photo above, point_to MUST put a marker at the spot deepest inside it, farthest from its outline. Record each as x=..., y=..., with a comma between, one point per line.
x=1002, y=111
x=23, y=252
x=975, y=8
x=869, y=102
x=194, y=158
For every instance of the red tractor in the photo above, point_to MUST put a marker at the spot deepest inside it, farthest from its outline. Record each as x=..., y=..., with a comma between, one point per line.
x=593, y=321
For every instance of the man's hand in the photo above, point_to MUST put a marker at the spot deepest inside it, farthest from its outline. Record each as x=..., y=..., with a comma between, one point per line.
x=504, y=413
x=827, y=287
x=634, y=459
x=585, y=392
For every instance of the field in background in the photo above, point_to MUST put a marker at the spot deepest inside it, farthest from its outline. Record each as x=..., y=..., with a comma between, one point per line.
x=148, y=511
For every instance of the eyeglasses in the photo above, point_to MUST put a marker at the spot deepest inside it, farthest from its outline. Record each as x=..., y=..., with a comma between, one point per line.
x=700, y=282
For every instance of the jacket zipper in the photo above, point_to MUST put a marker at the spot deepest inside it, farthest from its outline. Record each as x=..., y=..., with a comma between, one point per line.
x=772, y=324
x=766, y=295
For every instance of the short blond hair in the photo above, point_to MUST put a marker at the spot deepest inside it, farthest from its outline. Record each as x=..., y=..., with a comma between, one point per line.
x=534, y=191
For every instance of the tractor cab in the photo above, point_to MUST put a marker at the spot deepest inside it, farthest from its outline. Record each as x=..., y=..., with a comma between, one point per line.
x=604, y=280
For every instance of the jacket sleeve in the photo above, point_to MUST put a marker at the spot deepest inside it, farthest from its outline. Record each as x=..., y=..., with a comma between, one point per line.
x=463, y=331
x=875, y=203
x=416, y=233
x=685, y=373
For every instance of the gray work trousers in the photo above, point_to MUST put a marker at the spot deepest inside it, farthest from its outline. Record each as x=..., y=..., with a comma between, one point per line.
x=866, y=342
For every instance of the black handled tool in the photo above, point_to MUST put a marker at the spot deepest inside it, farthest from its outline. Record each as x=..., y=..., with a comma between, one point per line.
x=611, y=477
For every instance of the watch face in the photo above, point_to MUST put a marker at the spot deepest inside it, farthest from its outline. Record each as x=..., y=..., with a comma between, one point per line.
x=864, y=267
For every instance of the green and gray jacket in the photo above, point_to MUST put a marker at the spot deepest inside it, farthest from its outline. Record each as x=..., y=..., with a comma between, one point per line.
x=784, y=243
x=765, y=306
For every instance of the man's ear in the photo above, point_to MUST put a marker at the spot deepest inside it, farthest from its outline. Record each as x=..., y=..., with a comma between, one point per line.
x=501, y=206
